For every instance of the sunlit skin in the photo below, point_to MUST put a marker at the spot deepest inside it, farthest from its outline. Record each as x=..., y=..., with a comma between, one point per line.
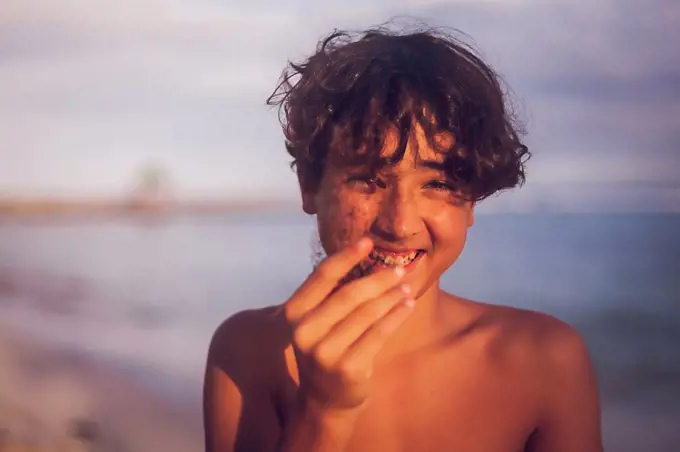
x=409, y=205
x=455, y=375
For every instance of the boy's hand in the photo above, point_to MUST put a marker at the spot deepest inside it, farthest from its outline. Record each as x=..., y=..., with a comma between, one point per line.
x=338, y=333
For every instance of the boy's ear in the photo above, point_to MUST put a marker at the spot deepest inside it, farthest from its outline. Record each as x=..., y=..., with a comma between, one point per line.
x=308, y=195
x=471, y=215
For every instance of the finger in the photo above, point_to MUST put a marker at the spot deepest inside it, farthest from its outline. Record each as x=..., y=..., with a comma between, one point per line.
x=324, y=278
x=364, y=350
x=363, y=289
x=319, y=321
x=332, y=345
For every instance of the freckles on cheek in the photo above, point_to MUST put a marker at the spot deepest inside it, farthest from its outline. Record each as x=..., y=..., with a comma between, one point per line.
x=346, y=221
x=352, y=224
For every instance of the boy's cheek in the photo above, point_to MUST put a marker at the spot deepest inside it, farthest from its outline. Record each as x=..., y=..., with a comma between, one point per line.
x=343, y=225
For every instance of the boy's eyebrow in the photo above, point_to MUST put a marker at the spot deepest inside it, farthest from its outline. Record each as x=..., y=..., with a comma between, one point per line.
x=433, y=164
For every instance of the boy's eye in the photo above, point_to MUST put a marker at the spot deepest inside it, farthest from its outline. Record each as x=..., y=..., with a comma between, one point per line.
x=365, y=183
x=449, y=190
x=440, y=185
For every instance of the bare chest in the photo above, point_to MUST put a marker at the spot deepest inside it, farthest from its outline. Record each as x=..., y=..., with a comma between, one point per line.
x=431, y=408
x=469, y=398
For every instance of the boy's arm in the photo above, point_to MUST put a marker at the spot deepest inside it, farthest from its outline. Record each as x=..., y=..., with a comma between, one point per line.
x=239, y=415
x=571, y=416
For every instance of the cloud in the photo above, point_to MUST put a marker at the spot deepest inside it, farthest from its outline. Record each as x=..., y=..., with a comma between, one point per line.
x=598, y=72
x=88, y=94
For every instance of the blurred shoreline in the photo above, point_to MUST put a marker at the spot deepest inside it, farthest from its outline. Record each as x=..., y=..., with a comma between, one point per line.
x=54, y=399
x=22, y=207
x=60, y=208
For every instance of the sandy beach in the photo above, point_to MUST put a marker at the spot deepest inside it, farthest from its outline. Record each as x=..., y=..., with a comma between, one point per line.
x=57, y=400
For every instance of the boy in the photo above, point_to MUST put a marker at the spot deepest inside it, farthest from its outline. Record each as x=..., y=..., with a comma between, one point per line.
x=395, y=138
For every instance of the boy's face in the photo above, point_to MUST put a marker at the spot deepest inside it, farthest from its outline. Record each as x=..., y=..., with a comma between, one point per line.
x=407, y=209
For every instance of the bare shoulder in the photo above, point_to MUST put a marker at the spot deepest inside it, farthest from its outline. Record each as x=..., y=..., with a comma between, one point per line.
x=240, y=376
x=550, y=360
x=246, y=336
x=532, y=337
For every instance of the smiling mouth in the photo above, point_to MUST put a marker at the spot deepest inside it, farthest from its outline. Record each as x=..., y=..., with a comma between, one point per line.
x=379, y=258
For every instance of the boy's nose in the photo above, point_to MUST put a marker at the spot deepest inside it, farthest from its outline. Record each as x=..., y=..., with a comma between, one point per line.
x=398, y=217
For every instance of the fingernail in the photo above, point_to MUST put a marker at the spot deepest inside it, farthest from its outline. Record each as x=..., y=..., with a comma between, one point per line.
x=363, y=243
x=410, y=303
x=399, y=271
x=406, y=288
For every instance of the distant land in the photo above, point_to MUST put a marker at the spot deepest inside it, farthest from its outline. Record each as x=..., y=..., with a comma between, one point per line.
x=29, y=207
x=537, y=197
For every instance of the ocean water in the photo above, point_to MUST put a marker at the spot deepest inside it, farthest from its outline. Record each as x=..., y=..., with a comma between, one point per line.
x=145, y=294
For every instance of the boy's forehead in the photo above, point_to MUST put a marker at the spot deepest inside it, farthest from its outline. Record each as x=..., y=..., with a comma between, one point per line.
x=419, y=150
x=420, y=153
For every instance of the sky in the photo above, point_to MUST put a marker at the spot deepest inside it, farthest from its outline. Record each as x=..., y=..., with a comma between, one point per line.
x=92, y=93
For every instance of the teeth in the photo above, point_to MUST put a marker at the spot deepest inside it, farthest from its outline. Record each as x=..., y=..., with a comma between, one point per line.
x=390, y=260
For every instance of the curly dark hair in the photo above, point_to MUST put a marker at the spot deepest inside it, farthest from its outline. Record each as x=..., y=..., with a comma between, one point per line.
x=343, y=98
